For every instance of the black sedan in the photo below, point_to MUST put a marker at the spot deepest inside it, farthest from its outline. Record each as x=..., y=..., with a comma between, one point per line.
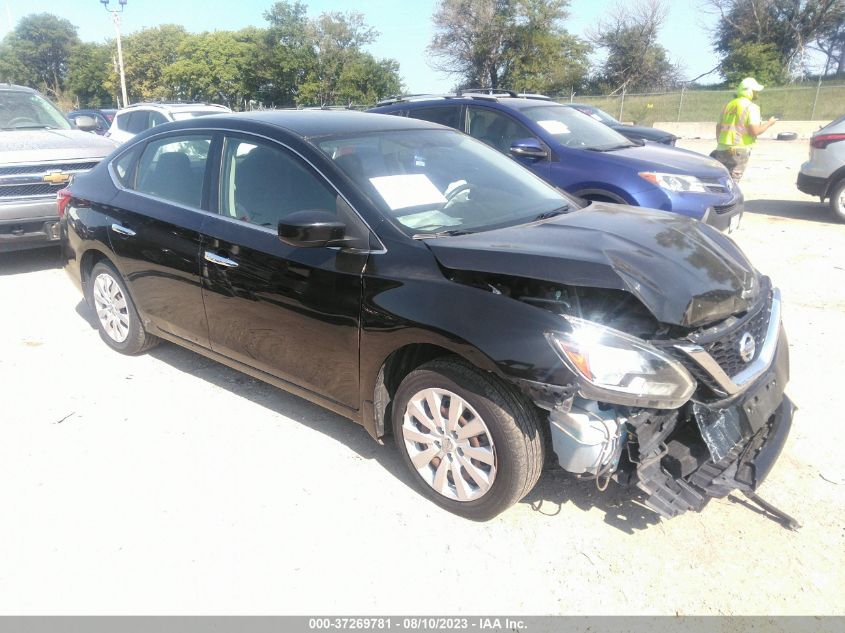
x=422, y=284
x=633, y=132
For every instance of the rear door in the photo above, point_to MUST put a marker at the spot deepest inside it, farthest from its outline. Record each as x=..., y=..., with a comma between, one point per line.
x=290, y=312
x=449, y=115
x=155, y=233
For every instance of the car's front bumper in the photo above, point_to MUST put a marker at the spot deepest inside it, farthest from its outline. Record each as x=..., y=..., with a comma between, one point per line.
x=721, y=211
x=28, y=223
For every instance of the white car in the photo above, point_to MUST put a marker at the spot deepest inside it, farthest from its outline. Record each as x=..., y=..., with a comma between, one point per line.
x=138, y=117
x=824, y=174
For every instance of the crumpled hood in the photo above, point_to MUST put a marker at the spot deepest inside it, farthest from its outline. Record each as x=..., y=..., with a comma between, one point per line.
x=33, y=146
x=684, y=272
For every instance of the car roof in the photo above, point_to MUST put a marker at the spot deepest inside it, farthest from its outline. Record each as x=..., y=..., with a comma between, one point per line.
x=311, y=123
x=17, y=88
x=516, y=103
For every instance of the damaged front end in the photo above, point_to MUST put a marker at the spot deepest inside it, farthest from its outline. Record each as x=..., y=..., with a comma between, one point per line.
x=684, y=414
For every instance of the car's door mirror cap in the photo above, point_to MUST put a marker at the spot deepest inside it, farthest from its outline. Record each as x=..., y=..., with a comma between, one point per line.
x=312, y=228
x=85, y=123
x=528, y=148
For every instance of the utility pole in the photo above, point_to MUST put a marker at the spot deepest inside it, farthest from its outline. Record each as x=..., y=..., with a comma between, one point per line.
x=116, y=19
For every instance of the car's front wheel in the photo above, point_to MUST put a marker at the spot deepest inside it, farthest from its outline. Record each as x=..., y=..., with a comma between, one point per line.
x=837, y=199
x=472, y=443
x=117, y=319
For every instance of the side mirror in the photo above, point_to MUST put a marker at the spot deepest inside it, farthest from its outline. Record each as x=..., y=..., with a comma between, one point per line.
x=528, y=148
x=85, y=123
x=312, y=228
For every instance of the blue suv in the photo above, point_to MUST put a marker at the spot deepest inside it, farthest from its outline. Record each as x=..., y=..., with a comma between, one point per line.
x=584, y=157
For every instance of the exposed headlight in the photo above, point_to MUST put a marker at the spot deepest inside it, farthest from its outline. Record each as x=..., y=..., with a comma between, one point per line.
x=674, y=182
x=618, y=368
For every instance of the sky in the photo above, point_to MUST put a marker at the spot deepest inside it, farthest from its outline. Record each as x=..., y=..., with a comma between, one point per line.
x=405, y=26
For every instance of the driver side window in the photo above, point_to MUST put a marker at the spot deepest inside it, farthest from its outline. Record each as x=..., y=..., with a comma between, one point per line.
x=262, y=183
x=496, y=129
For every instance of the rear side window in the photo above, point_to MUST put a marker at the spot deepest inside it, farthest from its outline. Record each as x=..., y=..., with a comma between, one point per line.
x=446, y=115
x=173, y=169
x=123, y=168
x=157, y=118
x=138, y=122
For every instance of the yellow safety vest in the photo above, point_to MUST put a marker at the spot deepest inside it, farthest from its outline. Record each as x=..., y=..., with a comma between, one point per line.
x=733, y=127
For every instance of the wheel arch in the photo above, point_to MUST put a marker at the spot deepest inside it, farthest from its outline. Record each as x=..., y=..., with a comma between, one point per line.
x=834, y=179
x=601, y=195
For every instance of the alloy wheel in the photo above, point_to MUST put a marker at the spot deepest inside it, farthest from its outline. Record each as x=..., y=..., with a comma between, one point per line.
x=111, y=307
x=449, y=444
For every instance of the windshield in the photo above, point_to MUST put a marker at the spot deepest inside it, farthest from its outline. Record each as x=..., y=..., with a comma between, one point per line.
x=597, y=114
x=29, y=111
x=575, y=129
x=441, y=181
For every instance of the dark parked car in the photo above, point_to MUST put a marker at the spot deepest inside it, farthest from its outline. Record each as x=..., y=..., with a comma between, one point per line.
x=414, y=280
x=102, y=118
x=633, y=132
x=39, y=153
x=584, y=157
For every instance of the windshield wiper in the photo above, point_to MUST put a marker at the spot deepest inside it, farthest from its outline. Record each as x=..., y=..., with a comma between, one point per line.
x=550, y=214
x=452, y=233
x=610, y=149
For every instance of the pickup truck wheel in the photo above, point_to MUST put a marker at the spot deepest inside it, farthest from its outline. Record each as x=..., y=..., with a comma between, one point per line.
x=117, y=319
x=837, y=199
x=471, y=441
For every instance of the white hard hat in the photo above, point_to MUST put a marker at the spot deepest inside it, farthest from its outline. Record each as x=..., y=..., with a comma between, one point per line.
x=749, y=83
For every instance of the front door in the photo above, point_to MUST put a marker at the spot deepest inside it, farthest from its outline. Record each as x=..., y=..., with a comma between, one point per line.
x=290, y=312
x=500, y=130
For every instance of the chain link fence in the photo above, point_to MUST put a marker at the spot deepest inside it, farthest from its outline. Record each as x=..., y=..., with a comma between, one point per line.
x=807, y=103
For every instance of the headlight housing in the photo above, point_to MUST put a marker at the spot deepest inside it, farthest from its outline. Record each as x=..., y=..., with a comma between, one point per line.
x=615, y=367
x=674, y=182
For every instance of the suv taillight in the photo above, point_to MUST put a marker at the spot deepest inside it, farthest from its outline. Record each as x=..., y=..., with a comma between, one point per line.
x=823, y=140
x=63, y=196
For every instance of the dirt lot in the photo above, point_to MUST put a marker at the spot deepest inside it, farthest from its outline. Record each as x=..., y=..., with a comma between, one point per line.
x=167, y=483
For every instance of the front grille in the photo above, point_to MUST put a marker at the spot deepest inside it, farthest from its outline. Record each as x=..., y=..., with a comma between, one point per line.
x=725, y=350
x=724, y=209
x=15, y=170
x=714, y=185
x=40, y=189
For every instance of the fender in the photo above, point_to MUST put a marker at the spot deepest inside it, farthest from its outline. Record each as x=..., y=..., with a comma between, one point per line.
x=832, y=180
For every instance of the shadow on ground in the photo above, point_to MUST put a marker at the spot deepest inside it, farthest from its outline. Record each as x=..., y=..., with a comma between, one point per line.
x=29, y=261
x=557, y=488
x=553, y=492
x=793, y=209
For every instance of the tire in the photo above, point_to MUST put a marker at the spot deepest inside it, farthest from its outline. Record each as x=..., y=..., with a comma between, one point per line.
x=508, y=439
x=786, y=136
x=117, y=319
x=837, y=200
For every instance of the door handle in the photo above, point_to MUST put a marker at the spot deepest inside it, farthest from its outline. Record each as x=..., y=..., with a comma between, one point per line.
x=214, y=258
x=122, y=230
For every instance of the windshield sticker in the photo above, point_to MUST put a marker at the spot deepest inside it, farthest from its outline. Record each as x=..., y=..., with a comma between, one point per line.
x=407, y=190
x=429, y=220
x=554, y=127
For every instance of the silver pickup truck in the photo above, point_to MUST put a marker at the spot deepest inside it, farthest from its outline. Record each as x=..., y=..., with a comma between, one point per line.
x=39, y=152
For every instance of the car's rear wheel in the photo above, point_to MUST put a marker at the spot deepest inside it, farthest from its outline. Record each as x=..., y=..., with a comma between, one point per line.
x=471, y=442
x=837, y=199
x=117, y=319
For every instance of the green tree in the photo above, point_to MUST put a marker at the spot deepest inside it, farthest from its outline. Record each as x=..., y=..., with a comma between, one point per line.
x=288, y=56
x=761, y=60
x=518, y=44
x=37, y=52
x=210, y=67
x=146, y=55
x=635, y=61
x=785, y=27
x=365, y=79
x=90, y=71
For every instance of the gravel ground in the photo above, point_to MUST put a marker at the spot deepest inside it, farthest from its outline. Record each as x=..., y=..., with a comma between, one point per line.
x=167, y=483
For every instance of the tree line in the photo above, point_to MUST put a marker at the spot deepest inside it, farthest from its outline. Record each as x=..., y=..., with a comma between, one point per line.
x=524, y=45
x=293, y=60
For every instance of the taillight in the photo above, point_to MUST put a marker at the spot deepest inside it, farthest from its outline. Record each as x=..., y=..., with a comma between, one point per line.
x=63, y=196
x=823, y=140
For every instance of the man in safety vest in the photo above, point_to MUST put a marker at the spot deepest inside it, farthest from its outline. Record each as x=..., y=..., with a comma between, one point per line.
x=739, y=128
